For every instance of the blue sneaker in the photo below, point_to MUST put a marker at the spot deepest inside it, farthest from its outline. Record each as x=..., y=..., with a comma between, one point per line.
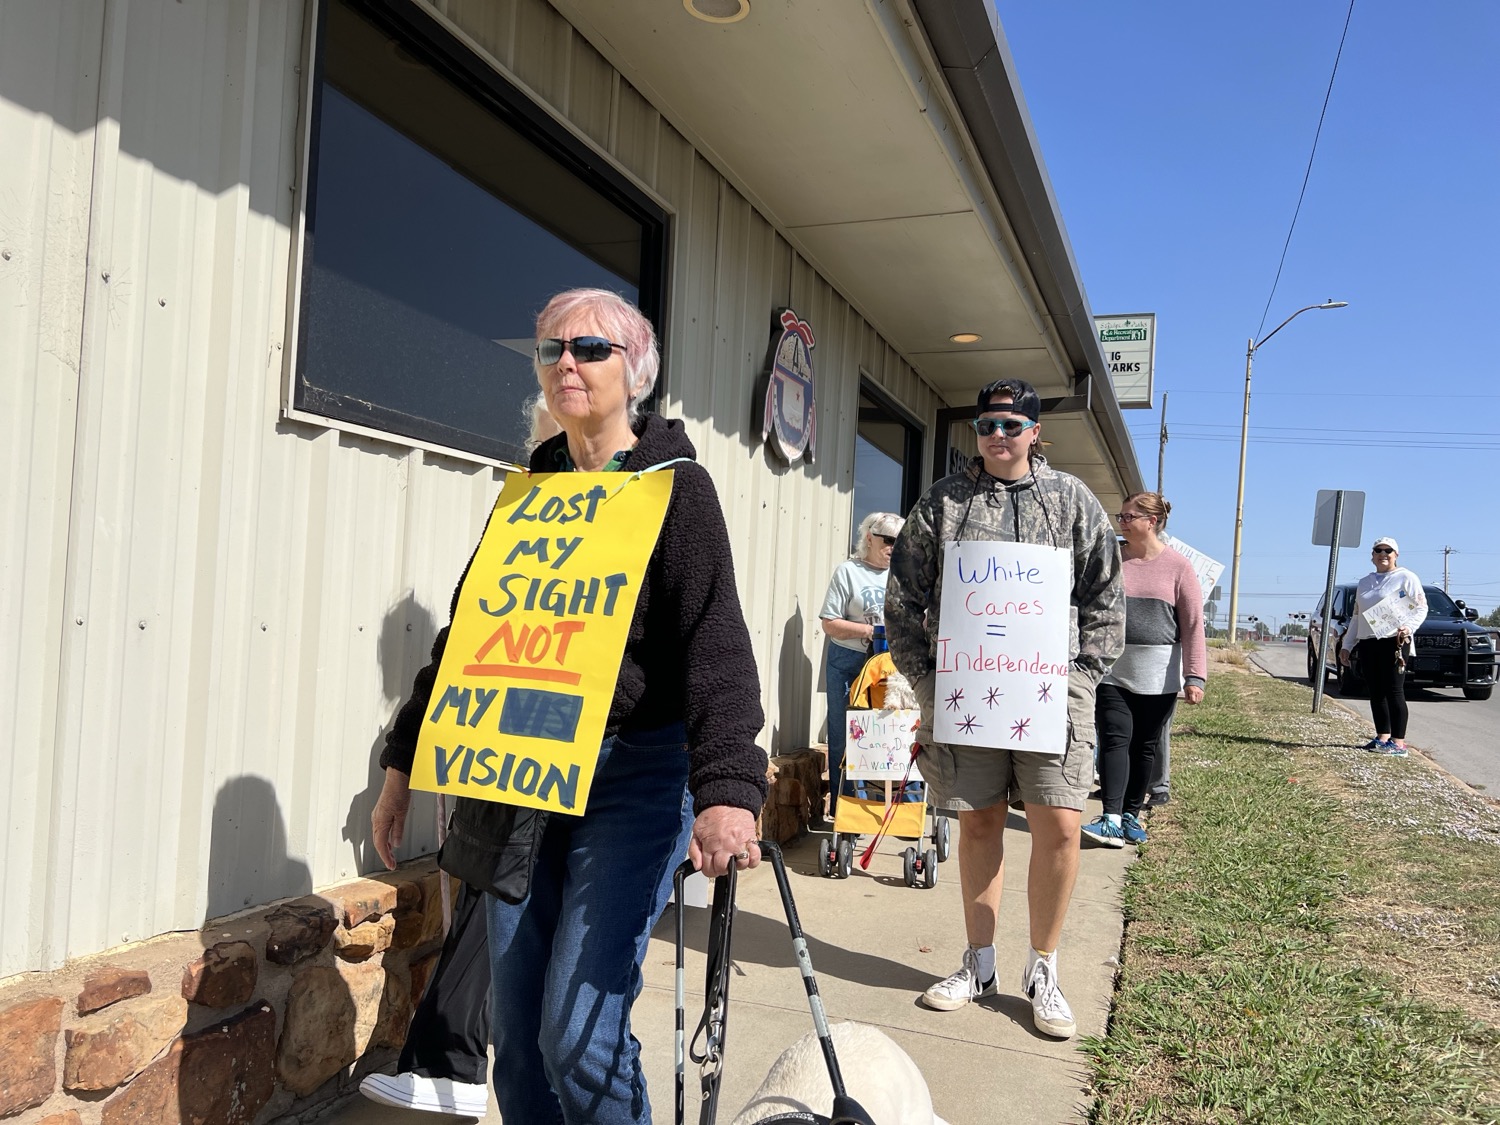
x=1134, y=830
x=1104, y=831
x=1375, y=745
x=1391, y=750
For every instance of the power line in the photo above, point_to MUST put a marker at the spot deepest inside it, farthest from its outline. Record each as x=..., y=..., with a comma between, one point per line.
x=1305, y=176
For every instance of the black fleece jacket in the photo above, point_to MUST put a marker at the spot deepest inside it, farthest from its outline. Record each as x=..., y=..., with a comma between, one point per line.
x=688, y=656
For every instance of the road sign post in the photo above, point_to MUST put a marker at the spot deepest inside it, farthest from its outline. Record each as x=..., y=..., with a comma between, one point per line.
x=1337, y=522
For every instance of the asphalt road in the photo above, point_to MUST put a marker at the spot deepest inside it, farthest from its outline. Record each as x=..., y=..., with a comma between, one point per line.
x=1461, y=736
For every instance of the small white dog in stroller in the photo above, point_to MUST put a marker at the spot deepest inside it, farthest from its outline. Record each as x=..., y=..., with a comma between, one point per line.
x=877, y=1073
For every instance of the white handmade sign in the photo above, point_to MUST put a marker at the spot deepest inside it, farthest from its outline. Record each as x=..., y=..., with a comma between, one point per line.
x=1207, y=569
x=1002, y=649
x=1393, y=613
x=879, y=744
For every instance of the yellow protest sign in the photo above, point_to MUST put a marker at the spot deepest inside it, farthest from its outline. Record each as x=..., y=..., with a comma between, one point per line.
x=523, y=691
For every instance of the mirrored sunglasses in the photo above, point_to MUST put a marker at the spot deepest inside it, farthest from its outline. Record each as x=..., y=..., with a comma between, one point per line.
x=1010, y=427
x=585, y=349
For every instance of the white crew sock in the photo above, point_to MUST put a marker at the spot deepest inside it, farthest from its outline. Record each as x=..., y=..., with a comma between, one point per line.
x=986, y=956
x=1113, y=818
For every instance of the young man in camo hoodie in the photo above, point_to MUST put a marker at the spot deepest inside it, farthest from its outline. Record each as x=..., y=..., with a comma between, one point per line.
x=1010, y=494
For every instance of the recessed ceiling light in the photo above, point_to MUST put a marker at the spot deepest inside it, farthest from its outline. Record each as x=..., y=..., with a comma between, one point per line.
x=966, y=337
x=718, y=11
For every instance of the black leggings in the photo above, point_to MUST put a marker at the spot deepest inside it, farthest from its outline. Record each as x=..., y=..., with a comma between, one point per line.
x=1130, y=727
x=1387, y=680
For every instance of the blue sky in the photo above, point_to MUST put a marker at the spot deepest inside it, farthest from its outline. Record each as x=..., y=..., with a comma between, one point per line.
x=1176, y=136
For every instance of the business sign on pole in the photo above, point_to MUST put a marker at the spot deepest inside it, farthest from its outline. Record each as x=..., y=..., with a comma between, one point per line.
x=524, y=688
x=1002, y=647
x=1129, y=344
x=1207, y=569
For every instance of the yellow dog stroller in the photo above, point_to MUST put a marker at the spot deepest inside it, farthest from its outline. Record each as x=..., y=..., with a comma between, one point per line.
x=880, y=789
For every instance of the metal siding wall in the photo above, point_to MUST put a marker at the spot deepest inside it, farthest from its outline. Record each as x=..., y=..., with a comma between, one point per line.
x=291, y=578
x=49, y=74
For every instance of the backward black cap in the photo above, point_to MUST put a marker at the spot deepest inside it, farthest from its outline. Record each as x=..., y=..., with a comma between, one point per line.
x=1023, y=396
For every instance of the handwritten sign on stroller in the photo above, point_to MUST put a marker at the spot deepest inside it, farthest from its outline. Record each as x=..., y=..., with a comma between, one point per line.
x=523, y=691
x=1002, y=649
x=1398, y=611
x=879, y=744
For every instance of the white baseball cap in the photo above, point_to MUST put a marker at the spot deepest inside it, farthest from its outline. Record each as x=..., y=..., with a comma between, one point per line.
x=1386, y=541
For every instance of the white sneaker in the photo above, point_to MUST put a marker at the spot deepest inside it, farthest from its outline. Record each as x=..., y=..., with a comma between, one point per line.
x=433, y=1095
x=1049, y=1011
x=951, y=994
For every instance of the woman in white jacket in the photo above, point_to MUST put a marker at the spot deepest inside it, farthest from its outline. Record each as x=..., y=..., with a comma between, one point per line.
x=1381, y=665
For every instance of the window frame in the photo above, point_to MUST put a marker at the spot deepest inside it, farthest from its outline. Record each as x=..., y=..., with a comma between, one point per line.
x=477, y=76
x=916, y=437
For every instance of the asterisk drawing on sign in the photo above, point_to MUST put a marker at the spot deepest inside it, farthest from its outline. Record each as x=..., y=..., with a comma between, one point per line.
x=1044, y=693
x=955, y=698
x=1018, y=729
x=992, y=697
x=968, y=725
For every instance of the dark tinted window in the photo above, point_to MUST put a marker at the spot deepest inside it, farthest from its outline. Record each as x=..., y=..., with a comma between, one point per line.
x=441, y=216
x=1439, y=604
x=887, y=458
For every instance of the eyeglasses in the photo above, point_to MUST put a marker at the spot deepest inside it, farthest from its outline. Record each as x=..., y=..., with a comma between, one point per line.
x=1131, y=517
x=1384, y=551
x=1010, y=427
x=585, y=349
x=888, y=540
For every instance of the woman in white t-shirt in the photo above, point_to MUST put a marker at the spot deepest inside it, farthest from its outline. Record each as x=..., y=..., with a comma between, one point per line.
x=853, y=607
x=1380, y=658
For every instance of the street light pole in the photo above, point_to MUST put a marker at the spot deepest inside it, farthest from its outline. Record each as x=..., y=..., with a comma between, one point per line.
x=1239, y=501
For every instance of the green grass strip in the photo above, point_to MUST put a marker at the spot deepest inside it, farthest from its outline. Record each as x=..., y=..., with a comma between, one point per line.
x=1240, y=996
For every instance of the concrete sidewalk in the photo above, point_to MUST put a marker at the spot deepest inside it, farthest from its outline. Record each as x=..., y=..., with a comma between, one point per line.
x=875, y=944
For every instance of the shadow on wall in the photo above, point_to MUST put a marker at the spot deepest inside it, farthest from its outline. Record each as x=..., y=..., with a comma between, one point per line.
x=248, y=862
x=227, y=1068
x=405, y=647
x=795, y=682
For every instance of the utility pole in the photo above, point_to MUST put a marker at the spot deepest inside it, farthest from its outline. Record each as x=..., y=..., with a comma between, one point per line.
x=1446, y=552
x=1161, y=451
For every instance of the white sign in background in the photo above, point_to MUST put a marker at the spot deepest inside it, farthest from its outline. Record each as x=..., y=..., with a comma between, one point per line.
x=1002, y=650
x=879, y=745
x=1129, y=344
x=1208, y=570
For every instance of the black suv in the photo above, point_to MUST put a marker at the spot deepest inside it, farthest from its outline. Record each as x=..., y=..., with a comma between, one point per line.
x=1451, y=651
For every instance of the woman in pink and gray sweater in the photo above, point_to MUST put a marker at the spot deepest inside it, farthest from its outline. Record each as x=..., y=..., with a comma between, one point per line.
x=1164, y=654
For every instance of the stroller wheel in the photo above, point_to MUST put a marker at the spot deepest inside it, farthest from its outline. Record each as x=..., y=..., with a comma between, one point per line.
x=943, y=838
x=929, y=868
x=909, y=866
x=845, y=856
x=825, y=859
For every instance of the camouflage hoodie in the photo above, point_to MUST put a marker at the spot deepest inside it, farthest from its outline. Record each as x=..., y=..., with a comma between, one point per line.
x=1045, y=507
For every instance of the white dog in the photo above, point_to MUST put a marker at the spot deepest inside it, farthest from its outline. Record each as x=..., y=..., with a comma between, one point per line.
x=877, y=1073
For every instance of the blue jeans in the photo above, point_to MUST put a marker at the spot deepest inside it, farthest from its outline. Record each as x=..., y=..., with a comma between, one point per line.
x=842, y=669
x=566, y=961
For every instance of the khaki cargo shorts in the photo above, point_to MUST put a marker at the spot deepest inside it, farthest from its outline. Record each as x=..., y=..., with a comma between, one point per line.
x=968, y=778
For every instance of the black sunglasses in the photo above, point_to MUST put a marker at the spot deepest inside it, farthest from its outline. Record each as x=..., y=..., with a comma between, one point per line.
x=585, y=349
x=888, y=540
x=1010, y=427
x=1384, y=551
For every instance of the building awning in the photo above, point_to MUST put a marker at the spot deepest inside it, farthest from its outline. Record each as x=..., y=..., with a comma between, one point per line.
x=891, y=144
